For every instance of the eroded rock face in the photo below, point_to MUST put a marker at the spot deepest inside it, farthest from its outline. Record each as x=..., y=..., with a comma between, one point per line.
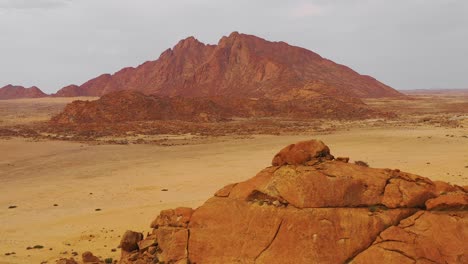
x=310, y=208
x=260, y=232
x=178, y=217
x=301, y=153
x=450, y=201
x=425, y=237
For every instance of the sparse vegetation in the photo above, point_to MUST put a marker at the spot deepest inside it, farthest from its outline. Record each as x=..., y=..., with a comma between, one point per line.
x=373, y=208
x=361, y=163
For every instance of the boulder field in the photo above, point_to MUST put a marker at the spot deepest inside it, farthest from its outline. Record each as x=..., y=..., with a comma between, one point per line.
x=312, y=208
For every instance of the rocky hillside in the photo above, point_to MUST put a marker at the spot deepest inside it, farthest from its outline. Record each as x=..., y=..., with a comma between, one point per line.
x=310, y=207
x=16, y=92
x=69, y=91
x=125, y=106
x=238, y=66
x=129, y=106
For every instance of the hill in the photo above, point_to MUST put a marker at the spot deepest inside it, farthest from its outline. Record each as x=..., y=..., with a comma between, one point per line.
x=16, y=92
x=129, y=106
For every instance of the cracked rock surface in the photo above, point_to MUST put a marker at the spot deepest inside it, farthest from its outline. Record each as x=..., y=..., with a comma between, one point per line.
x=425, y=237
x=310, y=208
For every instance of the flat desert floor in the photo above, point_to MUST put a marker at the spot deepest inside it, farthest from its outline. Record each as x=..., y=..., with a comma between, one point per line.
x=24, y=111
x=73, y=197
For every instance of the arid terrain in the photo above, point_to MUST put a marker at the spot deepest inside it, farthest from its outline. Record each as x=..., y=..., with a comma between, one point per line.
x=76, y=172
x=233, y=132
x=82, y=193
x=29, y=111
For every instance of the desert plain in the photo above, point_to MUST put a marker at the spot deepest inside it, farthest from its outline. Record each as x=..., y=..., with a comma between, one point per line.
x=71, y=196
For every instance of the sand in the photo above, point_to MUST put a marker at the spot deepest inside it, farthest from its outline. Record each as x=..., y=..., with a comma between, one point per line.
x=29, y=110
x=126, y=181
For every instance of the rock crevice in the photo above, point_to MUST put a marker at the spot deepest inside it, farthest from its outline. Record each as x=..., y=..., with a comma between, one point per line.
x=271, y=242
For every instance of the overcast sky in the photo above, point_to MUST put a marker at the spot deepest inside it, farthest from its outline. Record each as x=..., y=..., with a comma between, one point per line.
x=406, y=44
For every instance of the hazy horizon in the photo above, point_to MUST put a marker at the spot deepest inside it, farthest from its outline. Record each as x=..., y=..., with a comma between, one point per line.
x=404, y=44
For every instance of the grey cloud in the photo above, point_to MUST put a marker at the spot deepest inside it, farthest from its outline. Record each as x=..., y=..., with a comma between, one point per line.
x=404, y=43
x=32, y=4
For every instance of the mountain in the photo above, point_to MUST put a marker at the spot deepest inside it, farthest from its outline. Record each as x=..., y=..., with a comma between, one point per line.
x=239, y=65
x=15, y=92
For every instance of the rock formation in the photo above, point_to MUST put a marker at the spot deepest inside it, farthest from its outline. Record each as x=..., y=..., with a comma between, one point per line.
x=125, y=106
x=129, y=106
x=16, y=92
x=310, y=208
x=239, y=65
x=89, y=258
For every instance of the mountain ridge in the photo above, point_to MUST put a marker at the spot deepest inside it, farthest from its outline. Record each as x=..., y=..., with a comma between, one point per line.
x=238, y=65
x=16, y=92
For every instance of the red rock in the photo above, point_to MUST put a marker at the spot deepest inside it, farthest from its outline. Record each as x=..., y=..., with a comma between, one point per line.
x=134, y=106
x=343, y=159
x=88, y=257
x=16, y=92
x=69, y=91
x=246, y=232
x=129, y=106
x=426, y=237
x=326, y=211
x=239, y=65
x=443, y=188
x=225, y=191
x=335, y=184
x=450, y=201
x=301, y=153
x=178, y=217
x=172, y=243
x=66, y=261
x=407, y=190
x=129, y=241
x=147, y=243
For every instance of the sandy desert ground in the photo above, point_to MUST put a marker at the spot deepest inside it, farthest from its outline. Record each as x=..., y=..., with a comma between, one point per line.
x=57, y=186
x=27, y=110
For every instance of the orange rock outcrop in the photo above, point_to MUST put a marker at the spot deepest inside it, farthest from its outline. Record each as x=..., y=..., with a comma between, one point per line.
x=310, y=208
